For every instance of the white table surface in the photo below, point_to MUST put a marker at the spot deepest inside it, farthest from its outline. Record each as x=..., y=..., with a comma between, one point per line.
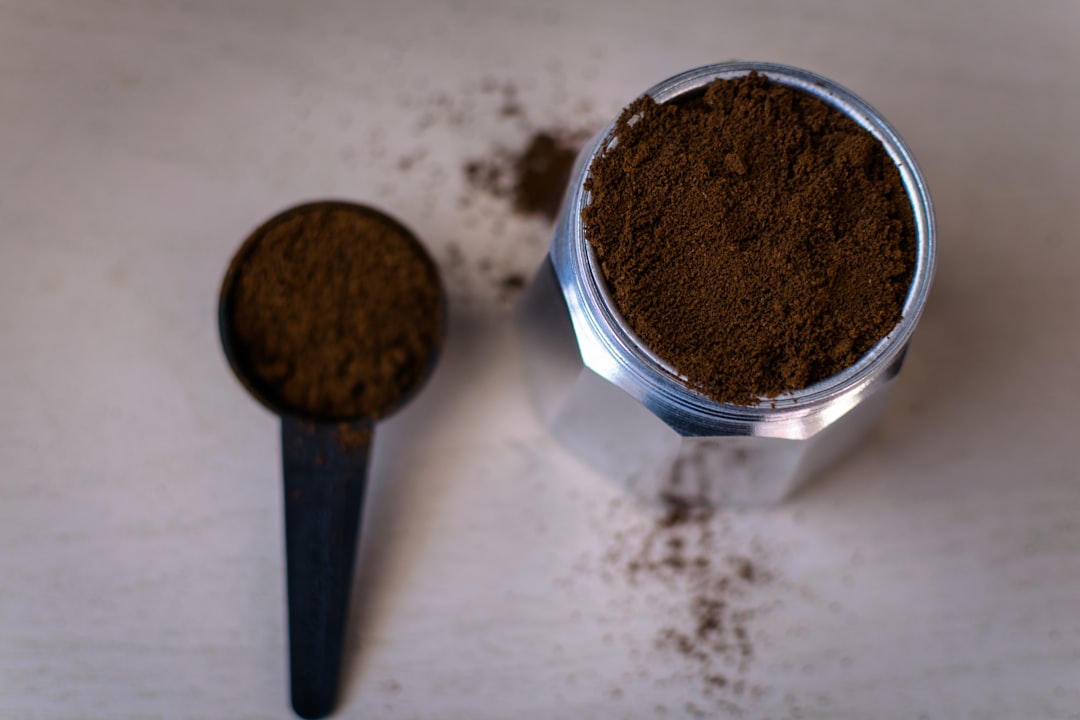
x=934, y=574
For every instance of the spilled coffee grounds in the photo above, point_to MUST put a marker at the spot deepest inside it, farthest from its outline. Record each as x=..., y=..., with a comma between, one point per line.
x=335, y=310
x=717, y=588
x=753, y=237
x=534, y=178
x=541, y=173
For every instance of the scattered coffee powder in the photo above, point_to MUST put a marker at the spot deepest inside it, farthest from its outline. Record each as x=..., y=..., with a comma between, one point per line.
x=336, y=310
x=753, y=237
x=541, y=174
x=717, y=588
x=533, y=178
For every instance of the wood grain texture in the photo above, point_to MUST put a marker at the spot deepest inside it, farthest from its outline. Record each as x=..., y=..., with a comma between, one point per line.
x=932, y=575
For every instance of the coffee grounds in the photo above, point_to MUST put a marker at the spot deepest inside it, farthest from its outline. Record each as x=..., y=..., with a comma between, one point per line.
x=723, y=591
x=512, y=282
x=541, y=174
x=714, y=586
x=335, y=312
x=753, y=237
x=534, y=178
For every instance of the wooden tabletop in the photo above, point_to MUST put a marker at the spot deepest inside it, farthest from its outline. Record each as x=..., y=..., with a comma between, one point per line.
x=933, y=574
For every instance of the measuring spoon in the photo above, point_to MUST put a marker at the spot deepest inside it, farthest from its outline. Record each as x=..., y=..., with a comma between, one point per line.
x=325, y=467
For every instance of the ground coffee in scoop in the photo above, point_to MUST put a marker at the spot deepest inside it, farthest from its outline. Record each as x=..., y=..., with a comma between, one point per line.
x=336, y=310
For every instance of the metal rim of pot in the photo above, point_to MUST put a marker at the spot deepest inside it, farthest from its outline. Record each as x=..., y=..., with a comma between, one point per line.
x=627, y=361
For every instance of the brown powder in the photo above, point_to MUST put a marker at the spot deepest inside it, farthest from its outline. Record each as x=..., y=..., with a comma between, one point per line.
x=541, y=173
x=753, y=237
x=350, y=436
x=724, y=592
x=512, y=282
x=336, y=311
x=533, y=178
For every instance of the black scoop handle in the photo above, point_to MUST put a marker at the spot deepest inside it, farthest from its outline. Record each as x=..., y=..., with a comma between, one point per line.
x=325, y=471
